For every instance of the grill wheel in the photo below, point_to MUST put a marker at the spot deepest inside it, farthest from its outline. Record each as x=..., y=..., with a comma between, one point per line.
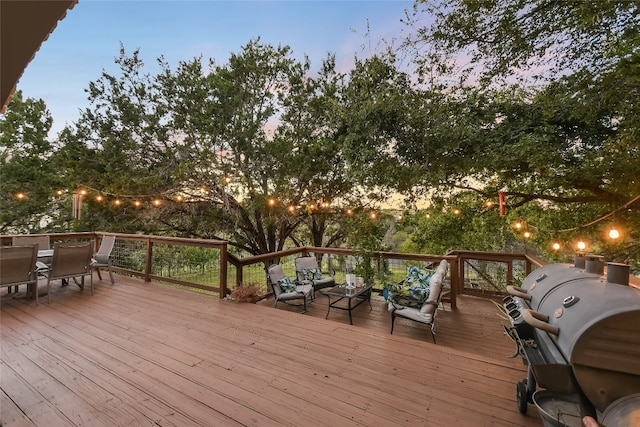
x=522, y=396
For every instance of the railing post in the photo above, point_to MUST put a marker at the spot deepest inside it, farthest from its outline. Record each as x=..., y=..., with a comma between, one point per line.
x=239, y=277
x=510, y=273
x=147, y=270
x=223, y=270
x=461, y=262
x=455, y=282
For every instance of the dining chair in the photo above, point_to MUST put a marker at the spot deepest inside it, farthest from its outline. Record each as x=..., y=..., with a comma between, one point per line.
x=71, y=261
x=18, y=267
x=102, y=258
x=43, y=243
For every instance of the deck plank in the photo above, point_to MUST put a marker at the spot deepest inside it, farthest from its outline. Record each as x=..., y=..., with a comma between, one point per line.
x=139, y=353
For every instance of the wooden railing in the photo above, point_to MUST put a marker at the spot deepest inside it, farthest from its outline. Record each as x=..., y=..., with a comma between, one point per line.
x=165, y=259
x=133, y=255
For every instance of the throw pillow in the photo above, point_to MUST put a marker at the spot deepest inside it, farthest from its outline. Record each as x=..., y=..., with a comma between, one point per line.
x=413, y=291
x=287, y=285
x=312, y=274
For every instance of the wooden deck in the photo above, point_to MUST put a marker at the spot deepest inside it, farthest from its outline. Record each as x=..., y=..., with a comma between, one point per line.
x=145, y=354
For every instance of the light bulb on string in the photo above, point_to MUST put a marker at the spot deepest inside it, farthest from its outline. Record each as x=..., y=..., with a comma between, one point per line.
x=614, y=233
x=581, y=245
x=556, y=246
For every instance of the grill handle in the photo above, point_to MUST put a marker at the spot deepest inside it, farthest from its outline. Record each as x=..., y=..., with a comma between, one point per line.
x=539, y=320
x=518, y=292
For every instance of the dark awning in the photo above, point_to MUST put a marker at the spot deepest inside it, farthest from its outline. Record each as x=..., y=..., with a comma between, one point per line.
x=24, y=26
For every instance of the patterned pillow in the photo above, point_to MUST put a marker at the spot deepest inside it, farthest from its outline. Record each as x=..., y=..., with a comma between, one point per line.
x=413, y=291
x=286, y=285
x=312, y=274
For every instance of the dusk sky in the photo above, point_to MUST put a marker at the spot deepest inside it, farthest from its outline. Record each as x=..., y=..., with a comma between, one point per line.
x=88, y=40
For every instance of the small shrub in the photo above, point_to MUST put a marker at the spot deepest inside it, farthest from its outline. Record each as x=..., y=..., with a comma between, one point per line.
x=249, y=292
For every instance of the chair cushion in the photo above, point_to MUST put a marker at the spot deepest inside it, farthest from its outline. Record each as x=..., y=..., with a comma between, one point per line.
x=312, y=274
x=287, y=285
x=414, y=314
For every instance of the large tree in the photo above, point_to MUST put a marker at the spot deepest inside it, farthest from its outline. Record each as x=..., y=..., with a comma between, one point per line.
x=250, y=147
x=536, y=99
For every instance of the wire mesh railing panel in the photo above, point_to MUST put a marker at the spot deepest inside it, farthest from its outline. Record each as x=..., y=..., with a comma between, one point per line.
x=189, y=263
x=130, y=255
x=492, y=276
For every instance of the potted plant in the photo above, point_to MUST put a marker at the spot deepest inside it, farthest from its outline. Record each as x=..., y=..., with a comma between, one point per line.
x=249, y=292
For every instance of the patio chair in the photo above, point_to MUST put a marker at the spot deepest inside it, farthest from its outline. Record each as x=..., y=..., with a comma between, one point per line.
x=102, y=258
x=18, y=267
x=42, y=243
x=71, y=261
x=308, y=272
x=285, y=290
x=425, y=314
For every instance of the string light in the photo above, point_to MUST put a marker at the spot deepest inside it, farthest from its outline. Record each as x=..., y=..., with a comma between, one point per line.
x=156, y=202
x=457, y=212
x=291, y=209
x=614, y=233
x=556, y=246
x=21, y=196
x=99, y=198
x=581, y=245
x=373, y=215
x=526, y=234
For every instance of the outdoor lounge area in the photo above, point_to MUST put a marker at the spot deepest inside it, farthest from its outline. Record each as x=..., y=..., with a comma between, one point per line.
x=137, y=353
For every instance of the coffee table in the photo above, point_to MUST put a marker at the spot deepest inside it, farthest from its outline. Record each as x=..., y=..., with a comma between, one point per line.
x=342, y=293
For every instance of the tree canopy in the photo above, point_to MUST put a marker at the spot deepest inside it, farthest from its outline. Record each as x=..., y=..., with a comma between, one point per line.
x=536, y=100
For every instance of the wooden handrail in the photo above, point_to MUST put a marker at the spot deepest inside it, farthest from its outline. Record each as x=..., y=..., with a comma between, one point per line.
x=456, y=259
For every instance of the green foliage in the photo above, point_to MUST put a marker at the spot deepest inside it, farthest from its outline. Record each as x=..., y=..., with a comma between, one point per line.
x=460, y=222
x=365, y=237
x=204, y=134
x=26, y=167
